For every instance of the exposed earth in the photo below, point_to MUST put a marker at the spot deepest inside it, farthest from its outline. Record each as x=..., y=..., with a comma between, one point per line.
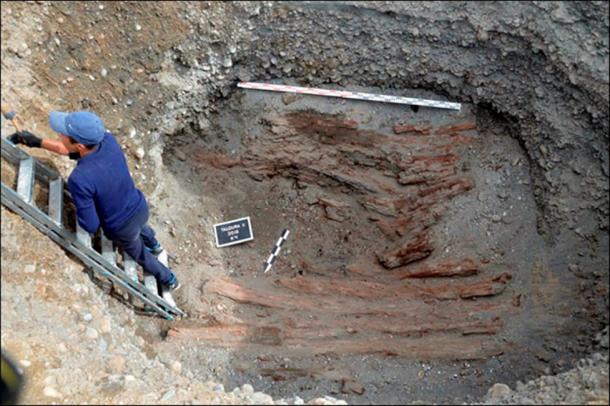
x=434, y=256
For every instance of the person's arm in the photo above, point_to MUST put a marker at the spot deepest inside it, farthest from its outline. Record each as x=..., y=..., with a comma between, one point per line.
x=86, y=212
x=54, y=146
x=32, y=141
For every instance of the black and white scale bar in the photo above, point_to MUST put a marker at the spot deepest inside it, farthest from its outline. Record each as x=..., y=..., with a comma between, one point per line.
x=276, y=250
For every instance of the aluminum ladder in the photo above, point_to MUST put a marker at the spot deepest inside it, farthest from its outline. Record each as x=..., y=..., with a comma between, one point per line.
x=79, y=242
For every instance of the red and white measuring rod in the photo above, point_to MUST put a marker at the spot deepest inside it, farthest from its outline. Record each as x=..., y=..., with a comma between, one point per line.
x=350, y=95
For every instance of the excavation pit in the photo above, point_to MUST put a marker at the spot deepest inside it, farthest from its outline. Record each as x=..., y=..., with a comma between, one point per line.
x=413, y=240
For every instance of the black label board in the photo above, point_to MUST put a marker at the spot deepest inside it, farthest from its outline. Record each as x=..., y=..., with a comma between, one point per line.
x=233, y=232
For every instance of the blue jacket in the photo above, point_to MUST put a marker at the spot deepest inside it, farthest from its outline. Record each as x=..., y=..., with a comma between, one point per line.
x=102, y=188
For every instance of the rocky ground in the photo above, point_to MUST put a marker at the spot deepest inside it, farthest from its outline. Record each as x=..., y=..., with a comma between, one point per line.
x=518, y=183
x=587, y=384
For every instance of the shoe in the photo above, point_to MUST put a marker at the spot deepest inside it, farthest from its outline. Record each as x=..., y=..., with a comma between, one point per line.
x=174, y=283
x=175, y=286
x=156, y=250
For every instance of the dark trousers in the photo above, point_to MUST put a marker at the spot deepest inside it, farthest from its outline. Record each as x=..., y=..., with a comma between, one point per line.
x=132, y=239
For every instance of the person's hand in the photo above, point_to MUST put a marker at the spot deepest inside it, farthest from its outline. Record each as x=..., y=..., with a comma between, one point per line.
x=26, y=138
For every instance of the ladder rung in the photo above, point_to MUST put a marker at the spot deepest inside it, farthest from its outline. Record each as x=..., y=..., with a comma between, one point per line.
x=82, y=235
x=56, y=200
x=108, y=250
x=163, y=257
x=151, y=283
x=167, y=296
x=25, y=179
x=165, y=292
x=129, y=266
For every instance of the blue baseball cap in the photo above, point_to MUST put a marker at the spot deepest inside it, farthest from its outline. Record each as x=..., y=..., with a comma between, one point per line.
x=83, y=126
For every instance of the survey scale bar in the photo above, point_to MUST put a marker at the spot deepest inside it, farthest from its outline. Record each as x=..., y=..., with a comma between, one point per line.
x=351, y=95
